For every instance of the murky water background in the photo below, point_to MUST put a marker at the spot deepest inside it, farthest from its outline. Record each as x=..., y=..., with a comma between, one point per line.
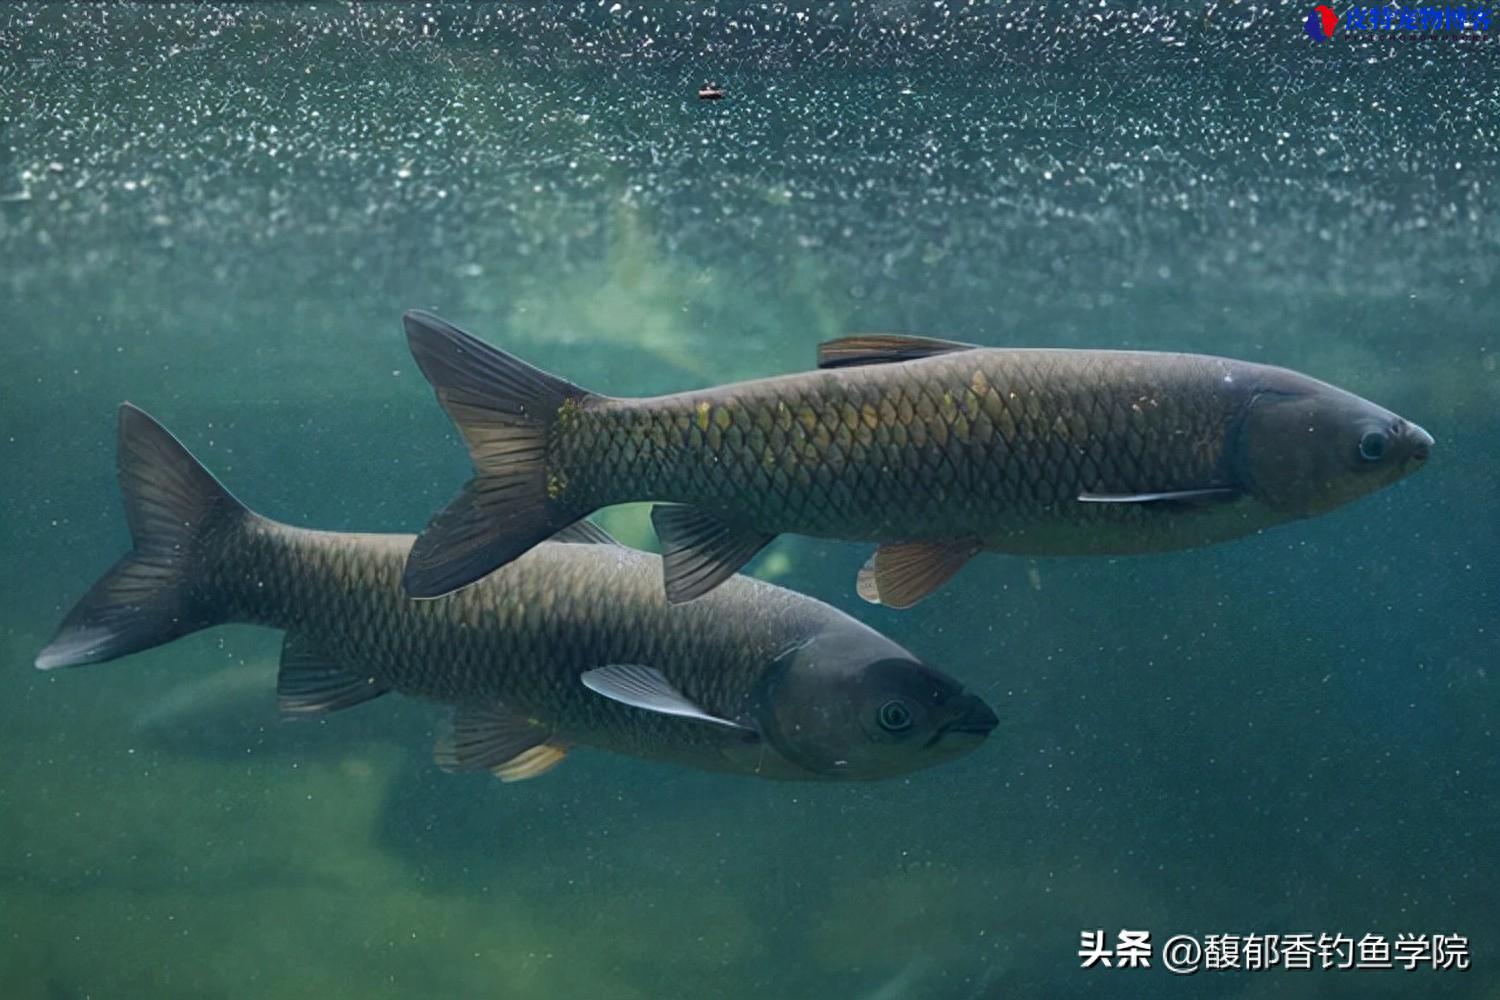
x=220, y=213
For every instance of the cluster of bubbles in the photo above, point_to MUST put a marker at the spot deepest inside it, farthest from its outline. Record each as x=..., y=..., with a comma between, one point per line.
x=1007, y=157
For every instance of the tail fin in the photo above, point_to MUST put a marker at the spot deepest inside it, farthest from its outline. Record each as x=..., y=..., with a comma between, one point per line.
x=173, y=506
x=505, y=410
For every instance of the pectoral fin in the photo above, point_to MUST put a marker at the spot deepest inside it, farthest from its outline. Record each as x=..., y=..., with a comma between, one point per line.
x=1213, y=494
x=311, y=683
x=700, y=550
x=882, y=349
x=900, y=575
x=491, y=738
x=647, y=688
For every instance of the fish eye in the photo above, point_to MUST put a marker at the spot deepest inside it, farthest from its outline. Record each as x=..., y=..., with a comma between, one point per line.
x=894, y=717
x=1372, y=446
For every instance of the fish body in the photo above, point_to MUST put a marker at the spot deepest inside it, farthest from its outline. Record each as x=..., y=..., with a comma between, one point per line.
x=934, y=450
x=993, y=445
x=574, y=644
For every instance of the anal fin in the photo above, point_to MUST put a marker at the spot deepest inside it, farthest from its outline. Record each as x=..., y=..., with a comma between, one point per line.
x=531, y=763
x=492, y=738
x=700, y=550
x=311, y=683
x=900, y=575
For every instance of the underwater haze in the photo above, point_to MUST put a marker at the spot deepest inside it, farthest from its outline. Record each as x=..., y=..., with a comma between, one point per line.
x=220, y=213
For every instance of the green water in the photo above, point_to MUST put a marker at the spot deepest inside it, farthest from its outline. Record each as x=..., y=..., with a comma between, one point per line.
x=220, y=213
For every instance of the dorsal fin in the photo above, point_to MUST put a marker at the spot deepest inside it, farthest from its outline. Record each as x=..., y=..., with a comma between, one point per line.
x=882, y=349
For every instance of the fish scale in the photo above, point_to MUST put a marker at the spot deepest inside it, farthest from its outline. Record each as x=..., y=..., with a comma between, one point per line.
x=523, y=636
x=979, y=442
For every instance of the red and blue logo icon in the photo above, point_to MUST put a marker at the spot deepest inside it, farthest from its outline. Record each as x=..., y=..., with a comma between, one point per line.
x=1395, y=21
x=1322, y=22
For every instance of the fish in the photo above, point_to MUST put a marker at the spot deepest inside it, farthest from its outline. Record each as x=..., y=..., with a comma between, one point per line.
x=934, y=450
x=572, y=645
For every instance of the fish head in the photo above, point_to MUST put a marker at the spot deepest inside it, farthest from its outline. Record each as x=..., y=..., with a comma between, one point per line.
x=850, y=704
x=1305, y=447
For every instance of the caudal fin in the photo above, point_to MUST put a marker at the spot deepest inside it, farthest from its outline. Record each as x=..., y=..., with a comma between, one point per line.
x=505, y=410
x=174, y=508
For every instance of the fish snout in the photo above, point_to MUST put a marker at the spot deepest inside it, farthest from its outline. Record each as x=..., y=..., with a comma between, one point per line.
x=976, y=718
x=1421, y=443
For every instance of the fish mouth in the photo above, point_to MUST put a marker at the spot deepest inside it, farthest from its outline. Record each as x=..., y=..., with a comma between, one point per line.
x=978, y=720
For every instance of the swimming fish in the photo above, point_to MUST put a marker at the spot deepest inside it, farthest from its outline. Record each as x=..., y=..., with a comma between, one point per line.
x=572, y=645
x=933, y=449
